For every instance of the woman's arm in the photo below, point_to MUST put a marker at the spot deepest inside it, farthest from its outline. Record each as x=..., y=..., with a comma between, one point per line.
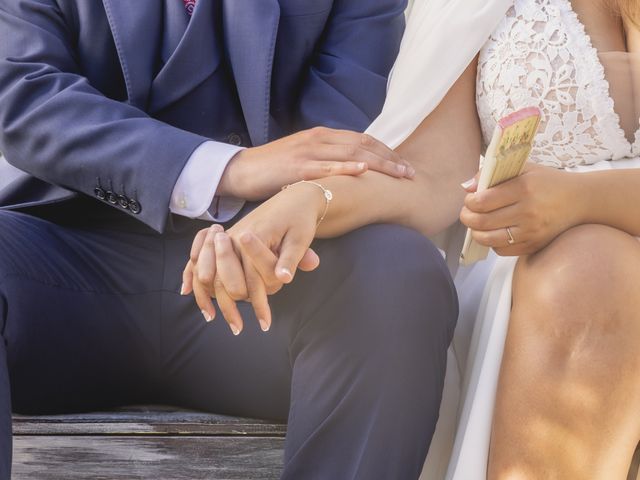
x=444, y=151
x=609, y=198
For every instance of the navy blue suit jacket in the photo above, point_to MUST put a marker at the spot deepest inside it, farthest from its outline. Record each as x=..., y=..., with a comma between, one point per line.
x=81, y=101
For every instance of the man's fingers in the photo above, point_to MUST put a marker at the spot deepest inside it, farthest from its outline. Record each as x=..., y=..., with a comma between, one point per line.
x=310, y=261
x=198, y=241
x=334, y=159
x=292, y=250
x=228, y=308
x=206, y=264
x=362, y=140
x=229, y=269
x=258, y=296
x=203, y=299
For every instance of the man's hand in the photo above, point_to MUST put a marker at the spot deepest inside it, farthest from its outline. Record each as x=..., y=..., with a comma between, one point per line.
x=255, y=257
x=536, y=206
x=260, y=172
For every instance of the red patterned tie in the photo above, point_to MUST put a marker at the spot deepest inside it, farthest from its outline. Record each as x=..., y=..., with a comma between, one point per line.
x=189, y=5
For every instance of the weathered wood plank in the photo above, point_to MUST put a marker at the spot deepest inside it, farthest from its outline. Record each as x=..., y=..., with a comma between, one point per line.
x=154, y=420
x=142, y=458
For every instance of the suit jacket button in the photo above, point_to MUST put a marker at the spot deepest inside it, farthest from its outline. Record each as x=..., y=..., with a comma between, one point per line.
x=135, y=207
x=235, y=139
x=112, y=198
x=100, y=193
x=123, y=201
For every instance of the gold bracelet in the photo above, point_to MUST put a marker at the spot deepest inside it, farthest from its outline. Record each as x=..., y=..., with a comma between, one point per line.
x=328, y=196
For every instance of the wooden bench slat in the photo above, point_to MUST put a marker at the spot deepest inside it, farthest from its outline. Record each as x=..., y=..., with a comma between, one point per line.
x=157, y=458
x=145, y=421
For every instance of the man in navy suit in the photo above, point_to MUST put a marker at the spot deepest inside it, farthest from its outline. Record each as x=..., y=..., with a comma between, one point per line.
x=128, y=127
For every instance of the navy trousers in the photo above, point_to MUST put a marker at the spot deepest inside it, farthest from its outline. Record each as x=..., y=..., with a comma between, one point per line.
x=91, y=318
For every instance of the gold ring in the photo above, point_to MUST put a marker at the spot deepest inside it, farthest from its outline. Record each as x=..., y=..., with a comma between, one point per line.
x=510, y=240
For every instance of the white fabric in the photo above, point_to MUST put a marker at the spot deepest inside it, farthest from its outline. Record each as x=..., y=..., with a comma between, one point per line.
x=194, y=192
x=541, y=55
x=442, y=38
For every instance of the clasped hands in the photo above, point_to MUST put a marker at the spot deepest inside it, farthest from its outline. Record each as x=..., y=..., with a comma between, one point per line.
x=262, y=252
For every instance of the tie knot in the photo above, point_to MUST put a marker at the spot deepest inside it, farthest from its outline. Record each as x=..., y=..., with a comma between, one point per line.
x=189, y=5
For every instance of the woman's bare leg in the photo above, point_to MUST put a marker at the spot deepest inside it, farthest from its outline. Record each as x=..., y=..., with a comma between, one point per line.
x=568, y=401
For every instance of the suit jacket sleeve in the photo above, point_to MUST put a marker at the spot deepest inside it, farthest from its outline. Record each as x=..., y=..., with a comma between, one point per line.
x=346, y=83
x=55, y=126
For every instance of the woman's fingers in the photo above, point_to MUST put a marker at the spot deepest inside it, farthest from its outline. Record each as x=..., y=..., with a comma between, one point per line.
x=262, y=259
x=258, y=296
x=187, y=279
x=228, y=308
x=310, y=261
x=471, y=185
x=495, y=220
x=293, y=248
x=229, y=269
x=491, y=199
x=501, y=237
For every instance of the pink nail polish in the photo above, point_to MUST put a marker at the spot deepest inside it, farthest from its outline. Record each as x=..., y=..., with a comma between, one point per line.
x=235, y=330
x=206, y=316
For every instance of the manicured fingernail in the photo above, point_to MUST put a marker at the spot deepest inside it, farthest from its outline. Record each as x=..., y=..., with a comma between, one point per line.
x=182, y=289
x=235, y=330
x=362, y=166
x=468, y=183
x=264, y=325
x=411, y=172
x=207, y=316
x=285, y=272
x=402, y=169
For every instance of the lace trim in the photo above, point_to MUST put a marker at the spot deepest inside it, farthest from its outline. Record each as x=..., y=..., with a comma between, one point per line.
x=604, y=106
x=541, y=55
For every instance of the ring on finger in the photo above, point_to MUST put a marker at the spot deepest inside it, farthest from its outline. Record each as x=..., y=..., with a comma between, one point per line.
x=510, y=239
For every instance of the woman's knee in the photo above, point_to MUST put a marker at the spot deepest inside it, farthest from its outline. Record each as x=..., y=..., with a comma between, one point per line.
x=569, y=290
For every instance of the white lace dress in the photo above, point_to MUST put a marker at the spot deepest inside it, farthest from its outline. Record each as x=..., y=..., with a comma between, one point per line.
x=539, y=55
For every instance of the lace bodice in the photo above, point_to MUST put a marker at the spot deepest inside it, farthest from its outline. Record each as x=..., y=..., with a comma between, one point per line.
x=540, y=55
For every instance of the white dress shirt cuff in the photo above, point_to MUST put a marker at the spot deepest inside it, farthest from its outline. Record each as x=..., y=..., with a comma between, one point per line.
x=194, y=193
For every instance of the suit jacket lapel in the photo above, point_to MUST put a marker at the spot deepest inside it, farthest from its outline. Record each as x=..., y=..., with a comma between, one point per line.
x=250, y=28
x=194, y=60
x=136, y=31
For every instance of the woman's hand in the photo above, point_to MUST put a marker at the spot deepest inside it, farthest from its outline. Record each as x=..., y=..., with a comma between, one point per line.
x=536, y=207
x=255, y=257
x=260, y=172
